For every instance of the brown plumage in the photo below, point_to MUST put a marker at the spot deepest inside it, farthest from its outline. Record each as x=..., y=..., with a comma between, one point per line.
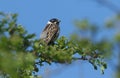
x=51, y=31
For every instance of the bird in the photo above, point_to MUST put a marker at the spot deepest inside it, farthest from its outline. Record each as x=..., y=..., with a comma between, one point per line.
x=51, y=31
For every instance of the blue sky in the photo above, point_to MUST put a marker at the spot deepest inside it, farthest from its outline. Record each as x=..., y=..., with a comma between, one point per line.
x=33, y=15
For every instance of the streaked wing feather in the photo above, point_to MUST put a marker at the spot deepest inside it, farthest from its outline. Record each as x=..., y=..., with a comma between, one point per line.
x=52, y=34
x=43, y=35
x=45, y=32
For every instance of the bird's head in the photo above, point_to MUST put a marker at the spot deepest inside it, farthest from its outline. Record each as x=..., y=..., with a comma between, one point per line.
x=54, y=21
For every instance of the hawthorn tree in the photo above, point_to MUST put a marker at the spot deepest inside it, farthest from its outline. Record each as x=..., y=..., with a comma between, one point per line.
x=19, y=49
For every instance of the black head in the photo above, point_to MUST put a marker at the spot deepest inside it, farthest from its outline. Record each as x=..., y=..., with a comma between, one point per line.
x=54, y=20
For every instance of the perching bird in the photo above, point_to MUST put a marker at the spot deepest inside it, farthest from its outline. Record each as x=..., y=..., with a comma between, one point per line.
x=51, y=31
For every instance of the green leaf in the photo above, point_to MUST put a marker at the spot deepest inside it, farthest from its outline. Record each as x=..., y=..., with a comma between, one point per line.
x=82, y=24
x=110, y=24
x=29, y=36
x=102, y=69
x=117, y=37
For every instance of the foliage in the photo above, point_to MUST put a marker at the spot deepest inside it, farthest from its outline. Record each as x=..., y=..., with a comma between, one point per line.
x=19, y=49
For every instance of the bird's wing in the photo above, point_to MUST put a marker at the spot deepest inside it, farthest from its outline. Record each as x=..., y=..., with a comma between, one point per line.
x=45, y=31
x=43, y=35
x=50, y=33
